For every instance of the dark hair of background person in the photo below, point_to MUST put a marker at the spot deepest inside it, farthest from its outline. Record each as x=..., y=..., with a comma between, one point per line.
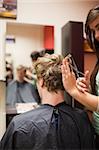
x=34, y=55
x=94, y=44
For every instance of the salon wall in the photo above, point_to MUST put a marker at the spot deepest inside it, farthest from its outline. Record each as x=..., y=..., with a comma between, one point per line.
x=54, y=12
x=28, y=38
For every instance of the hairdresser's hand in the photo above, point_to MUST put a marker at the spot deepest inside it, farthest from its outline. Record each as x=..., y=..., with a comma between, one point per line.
x=68, y=77
x=83, y=83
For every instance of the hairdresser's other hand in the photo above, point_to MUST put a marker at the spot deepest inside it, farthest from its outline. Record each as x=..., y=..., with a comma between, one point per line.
x=68, y=77
x=83, y=83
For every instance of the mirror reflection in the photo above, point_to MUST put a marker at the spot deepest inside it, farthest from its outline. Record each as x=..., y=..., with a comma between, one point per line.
x=24, y=44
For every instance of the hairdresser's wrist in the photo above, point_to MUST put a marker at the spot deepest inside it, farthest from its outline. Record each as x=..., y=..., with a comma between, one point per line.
x=73, y=92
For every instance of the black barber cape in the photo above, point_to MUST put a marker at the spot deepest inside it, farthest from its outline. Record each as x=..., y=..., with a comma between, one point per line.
x=49, y=127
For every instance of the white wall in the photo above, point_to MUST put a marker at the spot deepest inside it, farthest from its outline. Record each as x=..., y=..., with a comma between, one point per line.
x=54, y=12
x=2, y=49
x=27, y=38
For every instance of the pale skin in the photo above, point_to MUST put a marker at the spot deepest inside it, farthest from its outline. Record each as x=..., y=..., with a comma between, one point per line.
x=69, y=82
x=51, y=98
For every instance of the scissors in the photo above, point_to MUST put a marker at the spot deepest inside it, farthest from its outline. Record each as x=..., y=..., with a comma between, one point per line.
x=73, y=66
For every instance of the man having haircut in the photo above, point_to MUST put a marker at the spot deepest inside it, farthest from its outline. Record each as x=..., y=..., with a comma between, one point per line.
x=54, y=125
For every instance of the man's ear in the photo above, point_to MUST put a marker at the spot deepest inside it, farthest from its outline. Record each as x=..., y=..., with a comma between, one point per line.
x=41, y=82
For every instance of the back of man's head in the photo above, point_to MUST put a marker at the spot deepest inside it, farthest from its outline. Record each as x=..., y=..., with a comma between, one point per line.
x=48, y=68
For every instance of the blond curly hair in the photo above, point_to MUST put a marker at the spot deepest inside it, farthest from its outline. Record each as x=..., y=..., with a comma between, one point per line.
x=49, y=68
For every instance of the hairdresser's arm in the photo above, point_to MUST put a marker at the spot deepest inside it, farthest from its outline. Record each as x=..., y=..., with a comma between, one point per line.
x=69, y=82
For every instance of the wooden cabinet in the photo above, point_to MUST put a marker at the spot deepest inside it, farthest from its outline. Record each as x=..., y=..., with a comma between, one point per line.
x=72, y=42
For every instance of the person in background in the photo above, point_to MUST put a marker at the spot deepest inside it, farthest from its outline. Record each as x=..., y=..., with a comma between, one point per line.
x=34, y=55
x=54, y=125
x=29, y=77
x=19, y=91
x=30, y=74
x=82, y=84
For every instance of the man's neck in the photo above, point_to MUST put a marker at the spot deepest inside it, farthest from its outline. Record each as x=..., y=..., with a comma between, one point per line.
x=52, y=98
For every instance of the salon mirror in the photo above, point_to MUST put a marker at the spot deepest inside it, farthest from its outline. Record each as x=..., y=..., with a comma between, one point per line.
x=22, y=39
